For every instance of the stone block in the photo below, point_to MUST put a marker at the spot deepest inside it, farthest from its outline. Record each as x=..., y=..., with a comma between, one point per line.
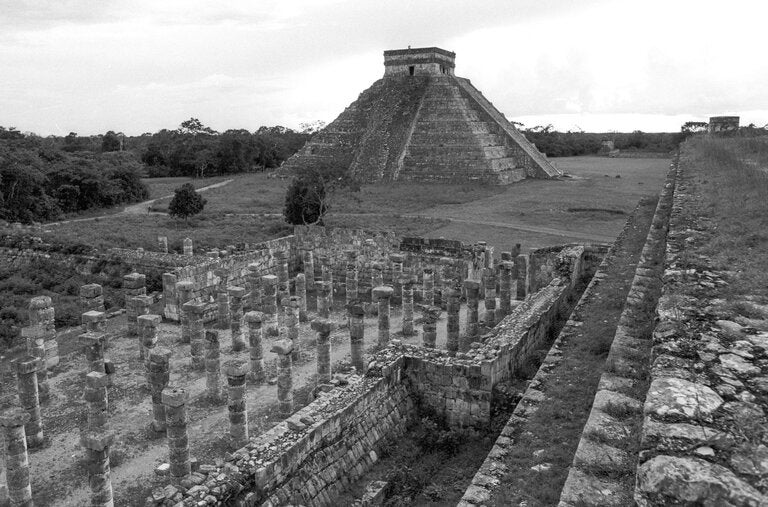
x=96, y=380
x=97, y=441
x=14, y=416
x=382, y=292
x=282, y=347
x=254, y=317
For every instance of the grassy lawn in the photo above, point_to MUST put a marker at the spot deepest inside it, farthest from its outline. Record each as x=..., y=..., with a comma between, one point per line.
x=730, y=177
x=590, y=205
x=160, y=187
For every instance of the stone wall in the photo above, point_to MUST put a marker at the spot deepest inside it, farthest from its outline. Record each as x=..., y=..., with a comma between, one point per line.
x=205, y=280
x=309, y=458
x=704, y=417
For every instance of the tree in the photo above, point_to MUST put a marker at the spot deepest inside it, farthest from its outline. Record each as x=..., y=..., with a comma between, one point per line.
x=194, y=126
x=307, y=199
x=186, y=202
x=111, y=142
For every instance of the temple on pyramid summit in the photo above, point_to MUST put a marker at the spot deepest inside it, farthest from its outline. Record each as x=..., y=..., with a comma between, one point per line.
x=420, y=122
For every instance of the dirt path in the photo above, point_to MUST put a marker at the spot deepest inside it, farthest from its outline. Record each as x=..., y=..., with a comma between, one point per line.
x=59, y=476
x=140, y=208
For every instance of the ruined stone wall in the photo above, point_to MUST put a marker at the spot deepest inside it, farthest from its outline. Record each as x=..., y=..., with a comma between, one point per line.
x=203, y=275
x=312, y=456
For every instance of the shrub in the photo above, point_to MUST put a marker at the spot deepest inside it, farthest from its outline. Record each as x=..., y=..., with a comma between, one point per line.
x=186, y=202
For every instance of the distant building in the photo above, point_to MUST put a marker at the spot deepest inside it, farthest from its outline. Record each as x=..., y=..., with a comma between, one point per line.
x=723, y=123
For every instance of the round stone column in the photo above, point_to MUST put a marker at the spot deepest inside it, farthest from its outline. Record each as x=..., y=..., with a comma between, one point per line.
x=254, y=285
x=283, y=349
x=187, y=245
x=26, y=371
x=428, y=290
x=148, y=336
x=429, y=337
x=505, y=287
x=42, y=314
x=13, y=421
x=382, y=294
x=522, y=274
x=195, y=313
x=184, y=295
x=407, y=285
x=308, y=264
x=236, y=403
x=301, y=293
x=283, y=288
x=222, y=315
x=453, y=305
x=323, y=328
x=473, y=299
x=97, y=455
x=351, y=292
x=159, y=375
x=97, y=401
x=357, y=335
x=377, y=275
x=489, y=282
x=324, y=299
x=269, y=304
x=35, y=338
x=212, y=365
x=397, y=276
x=255, y=337
x=291, y=311
x=236, y=295
x=175, y=401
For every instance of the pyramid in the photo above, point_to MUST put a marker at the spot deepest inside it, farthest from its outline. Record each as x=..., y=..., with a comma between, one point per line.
x=420, y=122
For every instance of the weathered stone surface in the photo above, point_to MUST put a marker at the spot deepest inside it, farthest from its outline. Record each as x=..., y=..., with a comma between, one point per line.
x=673, y=397
x=668, y=480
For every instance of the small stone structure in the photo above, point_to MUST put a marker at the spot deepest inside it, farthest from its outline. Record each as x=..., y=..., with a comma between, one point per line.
x=14, y=420
x=723, y=124
x=255, y=337
x=236, y=403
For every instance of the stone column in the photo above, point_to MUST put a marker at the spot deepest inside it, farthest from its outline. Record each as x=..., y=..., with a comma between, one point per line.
x=91, y=298
x=14, y=420
x=407, y=285
x=159, y=375
x=134, y=284
x=188, y=247
x=437, y=284
x=236, y=403
x=308, y=264
x=357, y=335
x=326, y=271
x=26, y=370
x=301, y=293
x=383, y=294
x=505, y=287
x=397, y=275
x=212, y=365
x=162, y=244
x=148, y=335
x=93, y=346
x=283, y=287
x=377, y=275
x=324, y=291
x=175, y=401
x=351, y=282
x=255, y=336
x=269, y=304
x=42, y=313
x=184, y=295
x=236, y=295
x=473, y=297
x=195, y=311
x=428, y=290
x=97, y=454
x=254, y=285
x=291, y=311
x=222, y=317
x=522, y=272
x=453, y=305
x=96, y=401
x=35, y=338
x=323, y=328
x=429, y=336
x=489, y=281
x=283, y=349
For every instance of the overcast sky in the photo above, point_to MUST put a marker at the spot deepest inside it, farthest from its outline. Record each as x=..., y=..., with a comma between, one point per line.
x=139, y=66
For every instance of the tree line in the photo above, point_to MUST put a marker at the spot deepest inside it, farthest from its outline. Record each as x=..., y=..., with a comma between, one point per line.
x=42, y=179
x=571, y=144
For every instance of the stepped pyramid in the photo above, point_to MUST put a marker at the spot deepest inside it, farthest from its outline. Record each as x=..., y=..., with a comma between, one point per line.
x=420, y=122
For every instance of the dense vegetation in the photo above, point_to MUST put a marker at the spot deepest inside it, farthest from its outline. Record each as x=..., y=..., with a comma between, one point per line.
x=570, y=144
x=42, y=179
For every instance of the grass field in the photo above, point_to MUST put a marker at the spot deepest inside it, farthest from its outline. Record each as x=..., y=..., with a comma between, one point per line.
x=590, y=206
